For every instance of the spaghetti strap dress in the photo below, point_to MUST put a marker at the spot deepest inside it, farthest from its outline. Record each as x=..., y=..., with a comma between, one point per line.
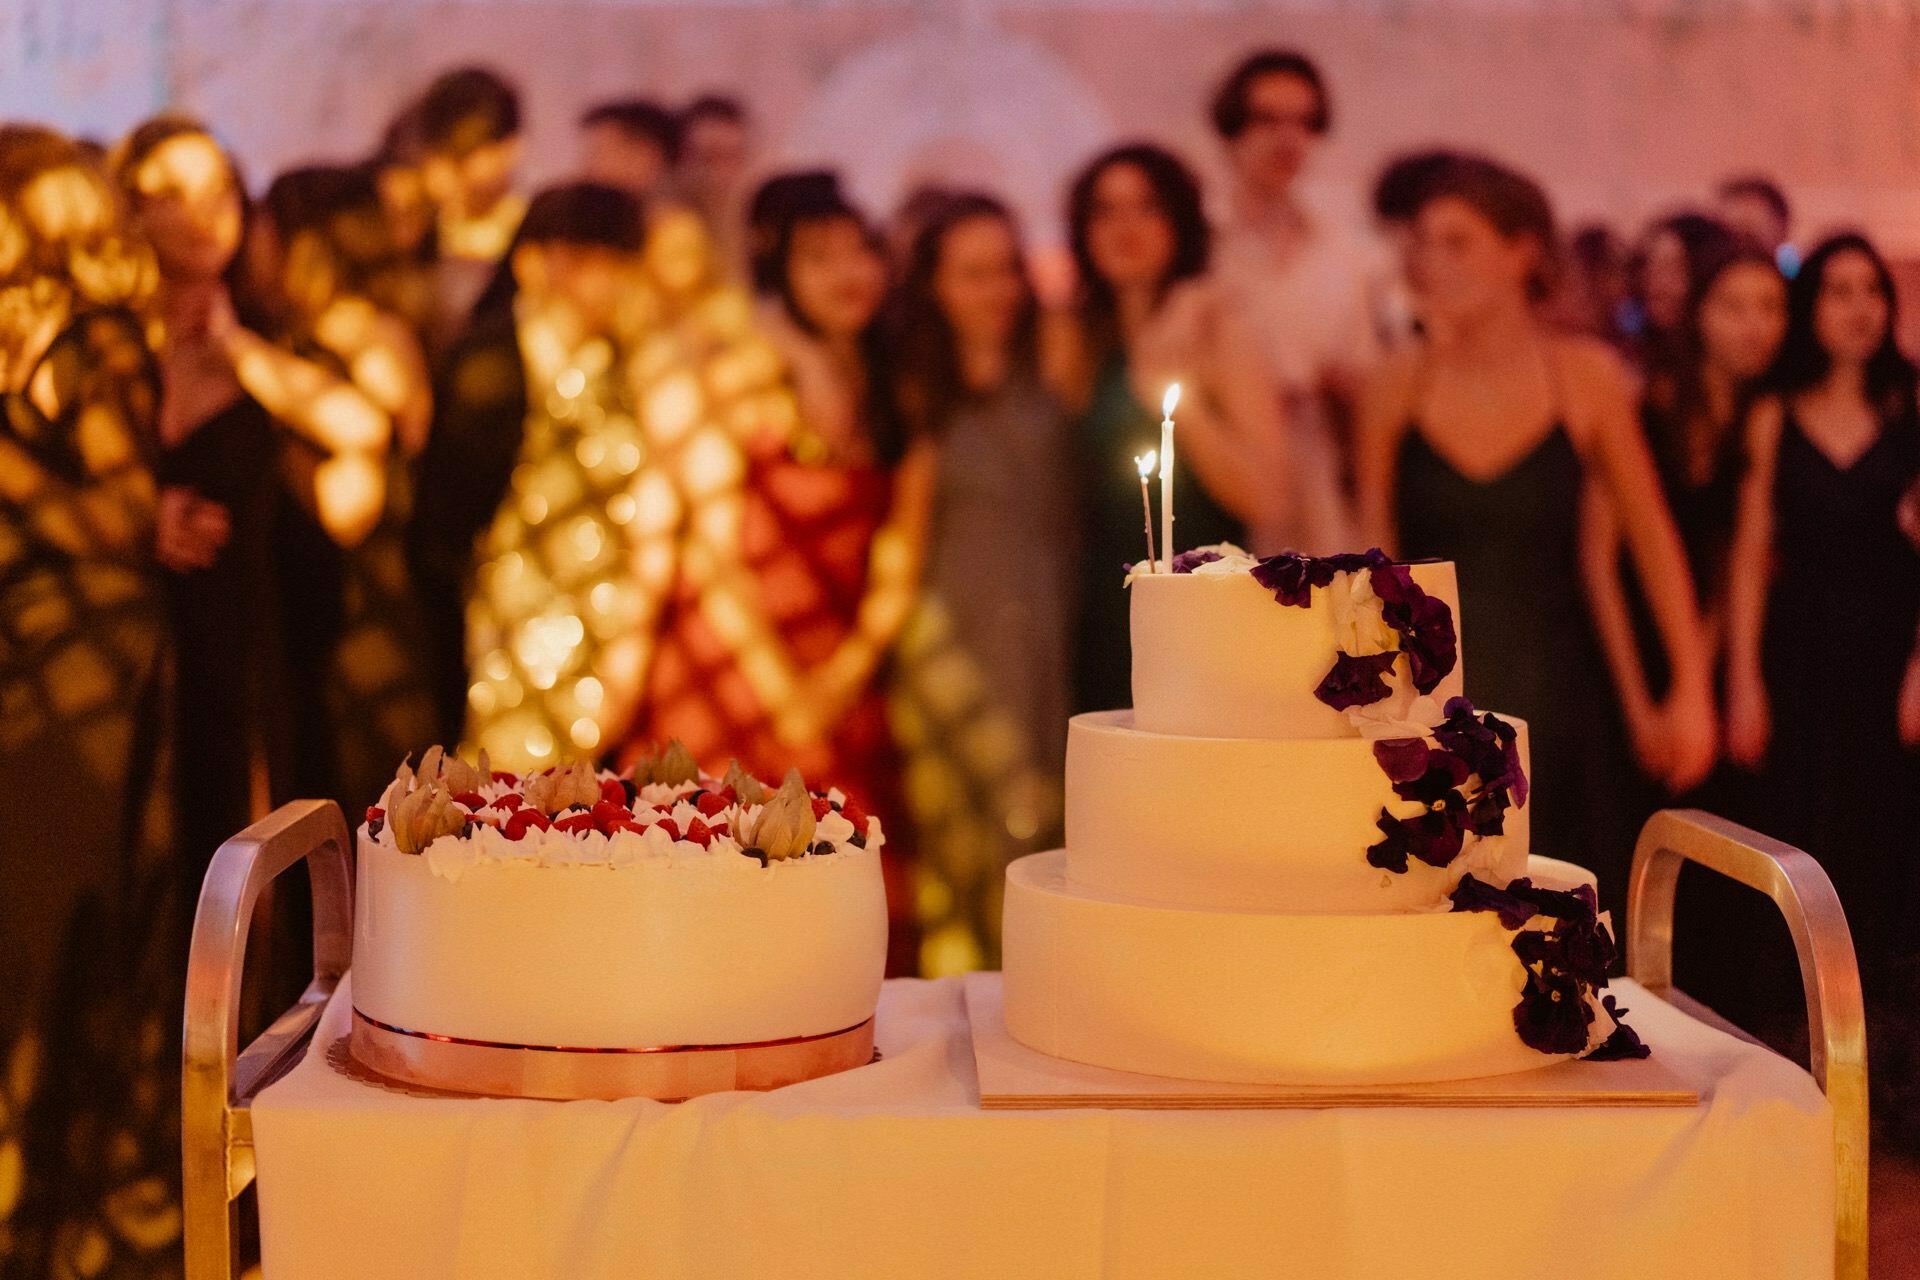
x=1527, y=638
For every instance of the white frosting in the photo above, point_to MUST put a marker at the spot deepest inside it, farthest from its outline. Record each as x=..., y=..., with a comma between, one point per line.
x=1216, y=656
x=623, y=942
x=1261, y=997
x=1250, y=824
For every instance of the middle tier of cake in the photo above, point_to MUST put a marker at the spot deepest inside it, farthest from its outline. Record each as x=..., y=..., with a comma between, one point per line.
x=1252, y=824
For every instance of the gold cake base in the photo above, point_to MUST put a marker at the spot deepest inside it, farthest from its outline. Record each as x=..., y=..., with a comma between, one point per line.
x=669, y=1073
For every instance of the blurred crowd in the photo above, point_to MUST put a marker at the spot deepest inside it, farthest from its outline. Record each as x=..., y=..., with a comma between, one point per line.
x=298, y=478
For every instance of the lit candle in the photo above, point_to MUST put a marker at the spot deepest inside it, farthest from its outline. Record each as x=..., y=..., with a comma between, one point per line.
x=1145, y=463
x=1167, y=403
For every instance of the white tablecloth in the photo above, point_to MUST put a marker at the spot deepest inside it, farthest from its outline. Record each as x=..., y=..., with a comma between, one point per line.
x=894, y=1171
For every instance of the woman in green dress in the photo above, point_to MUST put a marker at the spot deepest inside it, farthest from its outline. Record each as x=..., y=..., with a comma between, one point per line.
x=1145, y=318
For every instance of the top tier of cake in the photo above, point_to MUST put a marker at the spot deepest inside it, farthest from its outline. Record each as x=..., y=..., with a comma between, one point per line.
x=1217, y=655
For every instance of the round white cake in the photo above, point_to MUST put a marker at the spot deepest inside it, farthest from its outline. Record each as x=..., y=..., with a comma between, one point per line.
x=1302, y=857
x=580, y=913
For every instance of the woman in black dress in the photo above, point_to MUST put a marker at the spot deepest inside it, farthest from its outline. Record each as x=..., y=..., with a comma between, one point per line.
x=1823, y=688
x=217, y=454
x=1694, y=413
x=1490, y=446
x=229, y=393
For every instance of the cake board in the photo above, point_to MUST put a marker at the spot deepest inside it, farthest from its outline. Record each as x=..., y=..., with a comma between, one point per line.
x=1015, y=1078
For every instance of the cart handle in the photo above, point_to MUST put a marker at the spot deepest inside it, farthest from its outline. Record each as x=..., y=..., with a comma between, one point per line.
x=1836, y=1016
x=218, y=1082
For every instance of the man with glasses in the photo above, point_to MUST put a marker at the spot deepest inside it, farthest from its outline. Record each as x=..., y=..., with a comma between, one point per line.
x=1308, y=286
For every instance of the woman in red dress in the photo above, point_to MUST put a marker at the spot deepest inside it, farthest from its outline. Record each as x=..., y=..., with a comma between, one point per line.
x=801, y=547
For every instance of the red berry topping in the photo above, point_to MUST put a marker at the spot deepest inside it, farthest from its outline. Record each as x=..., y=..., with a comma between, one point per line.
x=609, y=814
x=711, y=803
x=523, y=821
x=576, y=824
x=729, y=795
x=853, y=813
x=501, y=775
x=613, y=793
x=821, y=807
x=471, y=799
x=700, y=833
x=670, y=827
x=509, y=802
x=375, y=813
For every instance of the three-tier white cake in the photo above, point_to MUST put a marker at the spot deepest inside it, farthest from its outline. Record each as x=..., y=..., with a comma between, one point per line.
x=1301, y=858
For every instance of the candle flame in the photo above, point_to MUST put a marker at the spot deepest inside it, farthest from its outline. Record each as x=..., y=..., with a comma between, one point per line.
x=1146, y=462
x=1170, y=400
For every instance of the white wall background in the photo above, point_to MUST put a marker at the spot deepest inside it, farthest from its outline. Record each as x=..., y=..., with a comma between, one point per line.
x=1624, y=107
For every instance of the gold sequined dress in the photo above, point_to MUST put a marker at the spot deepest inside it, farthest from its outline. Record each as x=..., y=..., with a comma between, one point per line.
x=88, y=1026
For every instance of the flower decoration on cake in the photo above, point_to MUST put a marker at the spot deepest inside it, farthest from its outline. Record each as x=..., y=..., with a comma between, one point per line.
x=1464, y=780
x=1379, y=610
x=1566, y=949
x=665, y=811
x=1188, y=561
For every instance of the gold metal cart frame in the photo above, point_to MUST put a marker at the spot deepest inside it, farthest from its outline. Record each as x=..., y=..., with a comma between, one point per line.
x=1836, y=1018
x=220, y=1083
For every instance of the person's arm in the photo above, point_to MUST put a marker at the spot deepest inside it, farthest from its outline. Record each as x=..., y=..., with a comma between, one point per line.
x=1749, y=569
x=384, y=361
x=1385, y=407
x=1601, y=541
x=350, y=489
x=1623, y=466
x=1229, y=427
x=893, y=579
x=1909, y=708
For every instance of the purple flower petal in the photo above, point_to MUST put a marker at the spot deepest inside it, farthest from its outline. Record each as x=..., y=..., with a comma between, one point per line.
x=1356, y=681
x=1188, y=561
x=1390, y=854
x=1288, y=576
x=1402, y=759
x=1473, y=894
x=1552, y=1015
x=1624, y=1042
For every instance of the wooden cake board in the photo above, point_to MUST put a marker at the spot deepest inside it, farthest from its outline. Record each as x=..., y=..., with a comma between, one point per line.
x=1016, y=1078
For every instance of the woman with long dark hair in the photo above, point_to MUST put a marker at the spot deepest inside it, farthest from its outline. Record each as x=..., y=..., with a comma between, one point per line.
x=228, y=392
x=1823, y=661
x=1490, y=446
x=1693, y=414
x=1664, y=273
x=1144, y=318
x=991, y=624
x=803, y=541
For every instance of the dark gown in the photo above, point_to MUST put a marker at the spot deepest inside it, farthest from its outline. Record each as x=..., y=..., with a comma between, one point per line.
x=1841, y=619
x=479, y=419
x=1527, y=639
x=227, y=679
x=1721, y=926
x=88, y=906
x=1114, y=428
x=359, y=698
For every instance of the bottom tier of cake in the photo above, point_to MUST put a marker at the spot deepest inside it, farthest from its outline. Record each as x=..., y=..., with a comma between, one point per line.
x=1262, y=998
